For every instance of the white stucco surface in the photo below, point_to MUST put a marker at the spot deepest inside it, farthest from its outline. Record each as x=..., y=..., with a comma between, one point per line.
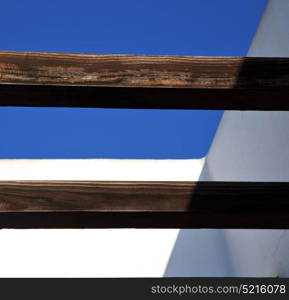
x=85, y=252
x=101, y=169
x=91, y=252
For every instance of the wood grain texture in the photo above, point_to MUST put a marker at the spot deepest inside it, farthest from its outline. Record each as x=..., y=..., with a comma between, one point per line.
x=127, y=81
x=143, y=71
x=144, y=204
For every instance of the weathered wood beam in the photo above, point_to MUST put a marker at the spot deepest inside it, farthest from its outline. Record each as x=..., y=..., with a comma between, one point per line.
x=127, y=81
x=52, y=204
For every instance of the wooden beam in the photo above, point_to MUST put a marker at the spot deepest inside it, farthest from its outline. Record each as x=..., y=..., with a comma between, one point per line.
x=127, y=81
x=52, y=204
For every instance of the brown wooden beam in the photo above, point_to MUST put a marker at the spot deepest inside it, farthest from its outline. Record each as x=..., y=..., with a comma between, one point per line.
x=53, y=204
x=127, y=81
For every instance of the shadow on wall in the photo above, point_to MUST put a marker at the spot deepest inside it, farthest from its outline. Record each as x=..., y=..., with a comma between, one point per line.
x=228, y=252
x=199, y=253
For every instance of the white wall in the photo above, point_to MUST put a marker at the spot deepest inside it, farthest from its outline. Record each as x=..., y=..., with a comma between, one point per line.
x=91, y=252
x=85, y=252
x=272, y=37
x=248, y=146
x=101, y=169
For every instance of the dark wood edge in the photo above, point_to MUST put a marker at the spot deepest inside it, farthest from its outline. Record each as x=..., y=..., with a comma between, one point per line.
x=143, y=98
x=84, y=219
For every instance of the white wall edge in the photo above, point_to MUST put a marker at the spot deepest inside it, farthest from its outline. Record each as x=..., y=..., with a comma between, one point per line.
x=101, y=169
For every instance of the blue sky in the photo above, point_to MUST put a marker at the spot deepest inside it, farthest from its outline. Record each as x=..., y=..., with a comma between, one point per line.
x=187, y=27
